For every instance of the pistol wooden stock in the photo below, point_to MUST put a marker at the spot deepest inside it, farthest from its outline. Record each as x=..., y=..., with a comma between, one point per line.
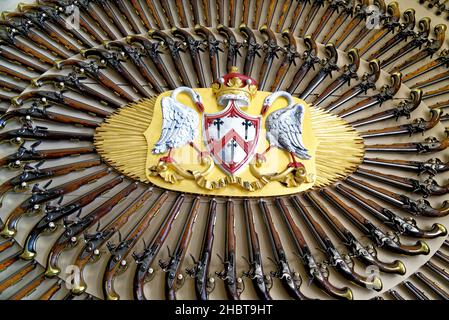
x=47, y=223
x=17, y=276
x=229, y=274
x=416, y=207
x=91, y=251
x=432, y=286
x=117, y=263
x=290, y=281
x=174, y=278
x=367, y=256
x=310, y=16
x=442, y=60
x=145, y=259
x=28, y=289
x=318, y=273
x=344, y=265
x=74, y=230
x=416, y=126
x=200, y=272
x=39, y=197
x=47, y=295
x=256, y=272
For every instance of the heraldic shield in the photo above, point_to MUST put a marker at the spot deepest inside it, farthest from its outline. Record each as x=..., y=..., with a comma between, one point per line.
x=231, y=137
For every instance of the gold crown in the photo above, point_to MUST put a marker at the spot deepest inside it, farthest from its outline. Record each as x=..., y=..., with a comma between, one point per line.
x=235, y=83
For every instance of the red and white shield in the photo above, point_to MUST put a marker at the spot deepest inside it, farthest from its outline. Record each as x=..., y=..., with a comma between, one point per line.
x=231, y=137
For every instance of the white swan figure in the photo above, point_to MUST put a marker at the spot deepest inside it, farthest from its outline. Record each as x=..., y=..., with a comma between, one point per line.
x=180, y=122
x=284, y=127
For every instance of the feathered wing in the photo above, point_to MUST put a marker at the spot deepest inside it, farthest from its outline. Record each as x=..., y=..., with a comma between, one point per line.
x=179, y=126
x=284, y=130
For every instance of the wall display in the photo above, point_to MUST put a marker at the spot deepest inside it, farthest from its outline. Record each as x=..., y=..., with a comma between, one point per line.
x=201, y=149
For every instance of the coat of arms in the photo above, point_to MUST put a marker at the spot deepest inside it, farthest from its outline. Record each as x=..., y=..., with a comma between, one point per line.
x=232, y=139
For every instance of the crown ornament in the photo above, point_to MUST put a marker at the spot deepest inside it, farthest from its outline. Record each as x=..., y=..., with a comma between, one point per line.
x=235, y=86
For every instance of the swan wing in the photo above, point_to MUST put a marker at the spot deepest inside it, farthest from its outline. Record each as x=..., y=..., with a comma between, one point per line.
x=179, y=126
x=285, y=127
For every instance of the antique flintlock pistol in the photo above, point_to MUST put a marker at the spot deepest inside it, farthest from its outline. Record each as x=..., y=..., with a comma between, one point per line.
x=431, y=167
x=403, y=109
x=29, y=154
x=233, y=284
x=328, y=65
x=349, y=73
x=232, y=46
x=290, y=280
x=145, y=259
x=70, y=237
x=135, y=56
x=368, y=255
x=204, y=283
x=261, y=282
x=34, y=112
x=33, y=174
x=271, y=49
x=58, y=98
x=387, y=92
x=407, y=226
x=174, y=278
x=91, y=251
x=416, y=126
x=416, y=207
x=58, y=212
x=117, y=263
x=318, y=273
x=344, y=264
x=387, y=240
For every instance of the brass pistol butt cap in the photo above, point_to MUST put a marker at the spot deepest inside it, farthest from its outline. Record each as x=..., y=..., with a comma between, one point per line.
x=27, y=255
x=78, y=289
x=398, y=268
x=242, y=25
x=438, y=229
x=109, y=295
x=7, y=233
x=424, y=247
x=346, y=294
x=51, y=271
x=377, y=284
